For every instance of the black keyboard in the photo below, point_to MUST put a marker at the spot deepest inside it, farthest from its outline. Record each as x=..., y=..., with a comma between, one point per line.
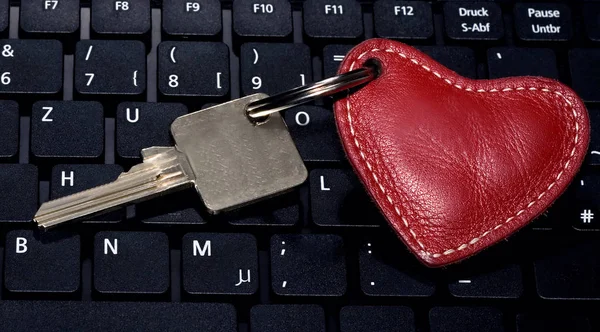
x=84, y=85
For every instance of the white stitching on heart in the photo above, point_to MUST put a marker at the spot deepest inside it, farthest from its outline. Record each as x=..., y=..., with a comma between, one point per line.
x=449, y=82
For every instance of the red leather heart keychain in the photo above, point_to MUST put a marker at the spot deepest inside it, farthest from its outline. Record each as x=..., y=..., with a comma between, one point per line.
x=456, y=164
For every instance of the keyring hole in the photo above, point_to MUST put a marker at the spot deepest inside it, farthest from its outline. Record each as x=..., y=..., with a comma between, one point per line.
x=374, y=64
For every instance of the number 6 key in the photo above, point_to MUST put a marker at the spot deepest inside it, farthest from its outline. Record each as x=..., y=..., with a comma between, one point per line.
x=230, y=160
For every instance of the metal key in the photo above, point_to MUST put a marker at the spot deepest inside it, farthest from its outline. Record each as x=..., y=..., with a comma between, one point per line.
x=230, y=160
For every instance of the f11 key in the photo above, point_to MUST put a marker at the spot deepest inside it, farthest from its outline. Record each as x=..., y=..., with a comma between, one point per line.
x=229, y=159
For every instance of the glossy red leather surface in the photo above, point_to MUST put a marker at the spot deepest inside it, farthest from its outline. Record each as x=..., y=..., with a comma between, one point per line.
x=456, y=164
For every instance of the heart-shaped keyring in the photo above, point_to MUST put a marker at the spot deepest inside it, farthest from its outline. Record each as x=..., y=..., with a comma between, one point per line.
x=456, y=164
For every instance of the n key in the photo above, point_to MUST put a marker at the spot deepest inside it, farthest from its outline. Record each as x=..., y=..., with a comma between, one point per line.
x=31, y=66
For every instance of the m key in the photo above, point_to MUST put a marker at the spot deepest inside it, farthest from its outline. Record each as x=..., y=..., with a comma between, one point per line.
x=229, y=159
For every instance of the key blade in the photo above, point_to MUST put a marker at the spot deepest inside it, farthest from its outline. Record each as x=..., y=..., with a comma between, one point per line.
x=158, y=175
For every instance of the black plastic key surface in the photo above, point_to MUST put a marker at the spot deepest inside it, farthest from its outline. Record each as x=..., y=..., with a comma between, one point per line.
x=308, y=265
x=552, y=323
x=192, y=18
x=313, y=130
x=338, y=199
x=458, y=58
x=403, y=19
x=142, y=125
x=513, y=61
x=377, y=318
x=289, y=318
x=193, y=69
x=67, y=129
x=216, y=263
x=543, y=21
x=584, y=210
x=9, y=127
x=591, y=15
x=35, y=262
x=4, y=12
x=571, y=273
x=262, y=19
x=274, y=67
x=126, y=17
x=68, y=179
x=49, y=17
x=460, y=319
x=333, y=19
x=18, y=192
x=473, y=281
x=585, y=73
x=385, y=272
x=179, y=208
x=593, y=157
x=27, y=316
x=281, y=211
x=110, y=67
x=333, y=55
x=131, y=262
x=31, y=66
x=473, y=21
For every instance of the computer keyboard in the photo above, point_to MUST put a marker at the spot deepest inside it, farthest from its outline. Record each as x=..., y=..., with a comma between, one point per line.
x=85, y=85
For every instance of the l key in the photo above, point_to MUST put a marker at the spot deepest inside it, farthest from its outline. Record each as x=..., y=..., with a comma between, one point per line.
x=228, y=159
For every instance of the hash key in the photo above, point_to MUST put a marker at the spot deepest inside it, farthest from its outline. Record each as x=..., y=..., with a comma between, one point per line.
x=142, y=125
x=58, y=17
x=67, y=129
x=272, y=68
x=474, y=21
x=193, y=69
x=48, y=262
x=31, y=66
x=219, y=263
x=106, y=67
x=127, y=17
x=272, y=19
x=131, y=262
x=333, y=19
x=18, y=192
x=9, y=127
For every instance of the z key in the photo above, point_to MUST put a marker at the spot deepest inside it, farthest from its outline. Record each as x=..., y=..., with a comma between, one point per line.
x=229, y=159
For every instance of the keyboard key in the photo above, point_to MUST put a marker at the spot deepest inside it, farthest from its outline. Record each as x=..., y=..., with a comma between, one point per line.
x=570, y=273
x=56, y=18
x=31, y=66
x=543, y=21
x=512, y=61
x=552, y=323
x=403, y=19
x=593, y=157
x=141, y=125
x=473, y=21
x=9, y=127
x=459, y=59
x=385, y=272
x=280, y=211
x=18, y=192
x=131, y=262
x=110, y=67
x=591, y=16
x=255, y=19
x=193, y=69
x=4, y=11
x=585, y=73
x=333, y=19
x=333, y=55
x=114, y=316
x=46, y=263
x=67, y=129
x=183, y=207
x=380, y=318
x=219, y=263
x=272, y=68
x=192, y=18
x=584, y=211
x=313, y=130
x=289, y=317
x=70, y=179
x=127, y=17
x=459, y=319
x=337, y=198
x=308, y=265
x=473, y=281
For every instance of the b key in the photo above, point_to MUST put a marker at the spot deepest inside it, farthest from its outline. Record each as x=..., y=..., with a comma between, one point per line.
x=230, y=160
